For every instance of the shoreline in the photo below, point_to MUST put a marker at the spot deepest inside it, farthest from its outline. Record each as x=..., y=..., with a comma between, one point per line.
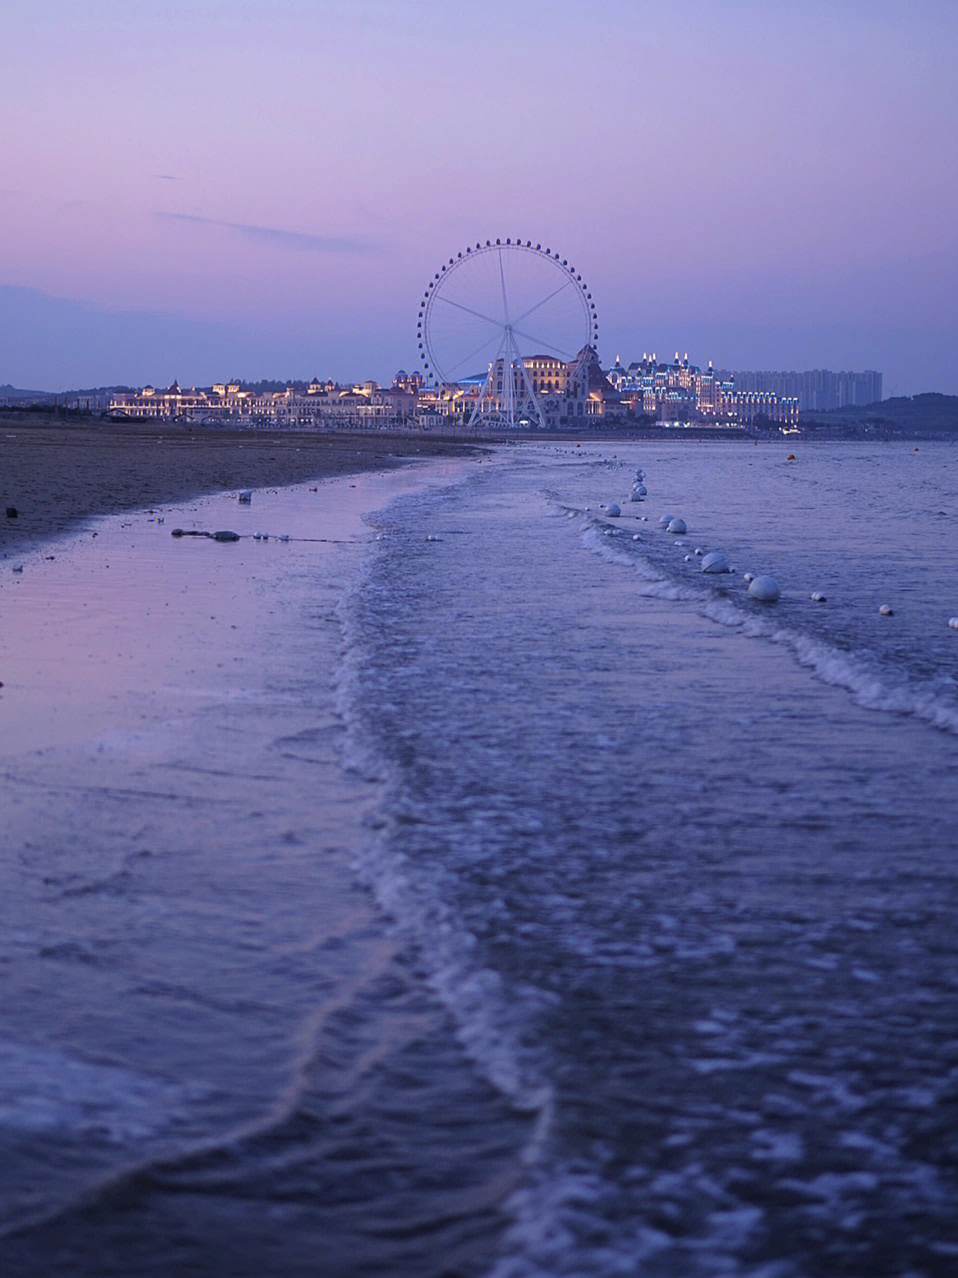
x=59, y=474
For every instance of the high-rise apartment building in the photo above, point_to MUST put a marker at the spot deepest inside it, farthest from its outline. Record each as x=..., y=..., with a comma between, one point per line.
x=817, y=390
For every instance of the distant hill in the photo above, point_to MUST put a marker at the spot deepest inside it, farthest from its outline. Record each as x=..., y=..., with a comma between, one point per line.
x=929, y=414
x=10, y=393
x=14, y=392
x=100, y=390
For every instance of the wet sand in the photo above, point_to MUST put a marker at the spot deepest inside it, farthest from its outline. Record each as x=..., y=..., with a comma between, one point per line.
x=56, y=472
x=195, y=982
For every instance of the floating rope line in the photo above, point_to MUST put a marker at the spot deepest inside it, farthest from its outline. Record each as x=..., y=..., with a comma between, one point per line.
x=226, y=534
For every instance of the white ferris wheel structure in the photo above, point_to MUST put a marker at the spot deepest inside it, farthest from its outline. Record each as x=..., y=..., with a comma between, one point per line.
x=501, y=316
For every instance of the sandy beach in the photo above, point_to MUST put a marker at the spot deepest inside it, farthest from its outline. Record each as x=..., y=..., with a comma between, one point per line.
x=57, y=473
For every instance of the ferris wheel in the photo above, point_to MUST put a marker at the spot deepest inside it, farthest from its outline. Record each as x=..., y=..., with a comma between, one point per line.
x=502, y=317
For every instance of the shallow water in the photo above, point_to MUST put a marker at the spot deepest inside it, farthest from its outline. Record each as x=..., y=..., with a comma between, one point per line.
x=502, y=895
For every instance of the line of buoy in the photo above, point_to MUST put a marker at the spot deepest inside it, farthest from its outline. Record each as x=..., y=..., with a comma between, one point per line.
x=764, y=588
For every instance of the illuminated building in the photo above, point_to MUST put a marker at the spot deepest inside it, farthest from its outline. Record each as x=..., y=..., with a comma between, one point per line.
x=681, y=391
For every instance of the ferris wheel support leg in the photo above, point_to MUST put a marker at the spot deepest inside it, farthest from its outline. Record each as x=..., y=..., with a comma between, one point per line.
x=517, y=375
x=487, y=390
x=533, y=397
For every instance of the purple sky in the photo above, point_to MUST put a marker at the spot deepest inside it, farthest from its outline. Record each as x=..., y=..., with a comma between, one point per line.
x=261, y=188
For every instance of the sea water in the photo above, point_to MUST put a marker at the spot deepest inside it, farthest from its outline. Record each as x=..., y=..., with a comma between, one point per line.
x=496, y=893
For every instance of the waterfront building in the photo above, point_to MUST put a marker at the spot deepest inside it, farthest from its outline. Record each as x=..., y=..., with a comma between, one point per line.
x=322, y=405
x=569, y=395
x=409, y=382
x=682, y=391
x=751, y=407
x=588, y=392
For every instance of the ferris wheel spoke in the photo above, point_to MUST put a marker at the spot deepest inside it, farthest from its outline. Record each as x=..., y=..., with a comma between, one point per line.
x=545, y=346
x=472, y=355
x=468, y=309
x=525, y=314
x=502, y=278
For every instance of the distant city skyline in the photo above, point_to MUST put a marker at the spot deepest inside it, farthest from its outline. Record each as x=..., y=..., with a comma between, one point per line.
x=208, y=189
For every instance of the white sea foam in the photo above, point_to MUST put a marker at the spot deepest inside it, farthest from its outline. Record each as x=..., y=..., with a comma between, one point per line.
x=45, y=1091
x=487, y=1024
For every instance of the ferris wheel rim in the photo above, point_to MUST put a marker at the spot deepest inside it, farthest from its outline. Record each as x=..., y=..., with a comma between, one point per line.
x=431, y=365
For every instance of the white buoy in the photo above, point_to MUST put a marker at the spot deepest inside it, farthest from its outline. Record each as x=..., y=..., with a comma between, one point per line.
x=688, y=558
x=953, y=623
x=699, y=550
x=715, y=561
x=764, y=589
x=747, y=577
x=665, y=520
x=612, y=510
x=636, y=537
x=677, y=526
x=886, y=610
x=818, y=597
